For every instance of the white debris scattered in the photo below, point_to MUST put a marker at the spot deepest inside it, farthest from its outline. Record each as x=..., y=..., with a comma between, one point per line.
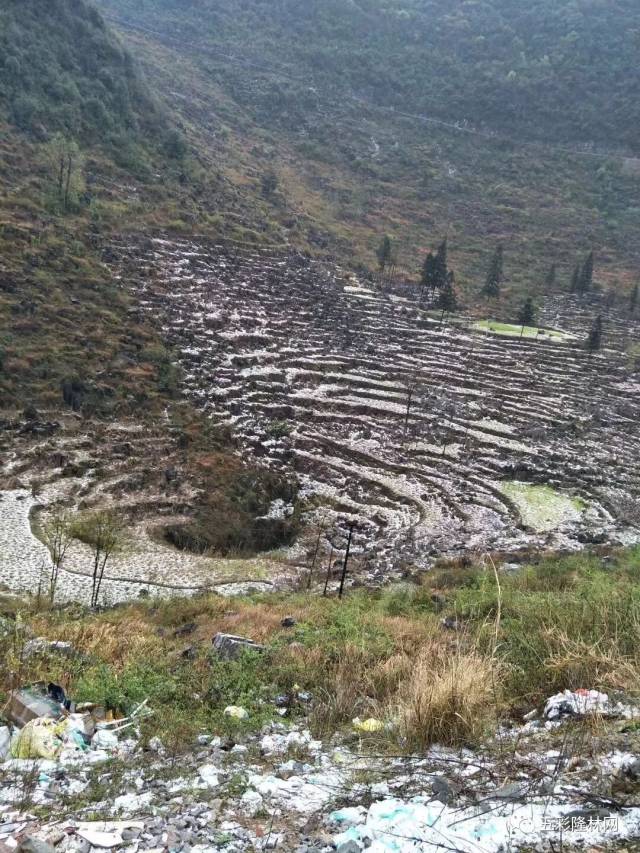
x=579, y=703
x=276, y=744
x=418, y=826
x=251, y=803
x=237, y=712
x=132, y=803
x=209, y=775
x=106, y=834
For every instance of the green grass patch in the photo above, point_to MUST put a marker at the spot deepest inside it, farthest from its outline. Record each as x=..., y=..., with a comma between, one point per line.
x=541, y=507
x=514, y=330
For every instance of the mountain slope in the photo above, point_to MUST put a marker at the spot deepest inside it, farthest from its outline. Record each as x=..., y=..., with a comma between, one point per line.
x=545, y=70
x=62, y=69
x=330, y=97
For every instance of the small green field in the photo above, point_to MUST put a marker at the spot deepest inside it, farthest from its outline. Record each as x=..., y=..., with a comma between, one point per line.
x=514, y=330
x=541, y=507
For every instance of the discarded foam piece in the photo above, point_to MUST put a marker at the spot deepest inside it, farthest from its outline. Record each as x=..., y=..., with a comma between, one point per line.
x=236, y=712
x=106, y=834
x=230, y=647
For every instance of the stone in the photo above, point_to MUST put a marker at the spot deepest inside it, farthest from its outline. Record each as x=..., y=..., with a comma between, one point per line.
x=251, y=803
x=230, y=647
x=512, y=791
x=156, y=745
x=632, y=770
x=34, y=845
x=131, y=834
x=442, y=790
x=350, y=846
x=40, y=646
x=209, y=775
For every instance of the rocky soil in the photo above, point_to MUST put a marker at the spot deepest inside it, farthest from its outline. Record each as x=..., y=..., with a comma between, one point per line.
x=537, y=785
x=76, y=466
x=408, y=428
x=426, y=438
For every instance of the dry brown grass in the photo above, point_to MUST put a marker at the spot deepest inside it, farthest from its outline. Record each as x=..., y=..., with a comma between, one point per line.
x=113, y=641
x=578, y=663
x=448, y=698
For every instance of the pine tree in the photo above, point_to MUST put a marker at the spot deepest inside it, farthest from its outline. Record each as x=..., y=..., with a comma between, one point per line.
x=448, y=298
x=494, y=275
x=527, y=314
x=585, y=280
x=383, y=252
x=441, y=268
x=575, y=279
x=594, y=340
x=550, y=281
x=428, y=277
x=633, y=299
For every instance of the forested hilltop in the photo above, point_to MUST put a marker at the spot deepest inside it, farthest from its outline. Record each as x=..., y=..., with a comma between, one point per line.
x=549, y=70
x=62, y=69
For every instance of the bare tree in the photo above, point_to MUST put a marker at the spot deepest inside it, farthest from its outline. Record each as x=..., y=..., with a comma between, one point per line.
x=57, y=537
x=103, y=532
x=65, y=162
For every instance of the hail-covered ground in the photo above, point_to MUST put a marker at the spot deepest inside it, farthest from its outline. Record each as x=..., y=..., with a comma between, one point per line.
x=427, y=436
x=430, y=436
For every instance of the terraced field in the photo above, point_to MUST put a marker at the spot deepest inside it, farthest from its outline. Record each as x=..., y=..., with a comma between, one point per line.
x=422, y=435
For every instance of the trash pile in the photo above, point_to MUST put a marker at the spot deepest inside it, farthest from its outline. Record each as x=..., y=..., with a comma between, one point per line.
x=580, y=703
x=281, y=789
x=45, y=724
x=421, y=825
x=576, y=705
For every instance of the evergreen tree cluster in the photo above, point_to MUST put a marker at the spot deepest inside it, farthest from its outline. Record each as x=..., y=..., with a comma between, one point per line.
x=582, y=278
x=495, y=275
x=436, y=277
x=435, y=271
x=384, y=253
x=527, y=314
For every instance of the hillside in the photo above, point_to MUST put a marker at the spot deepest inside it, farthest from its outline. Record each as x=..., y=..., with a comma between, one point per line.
x=311, y=540
x=489, y=122
x=63, y=70
x=85, y=153
x=543, y=70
